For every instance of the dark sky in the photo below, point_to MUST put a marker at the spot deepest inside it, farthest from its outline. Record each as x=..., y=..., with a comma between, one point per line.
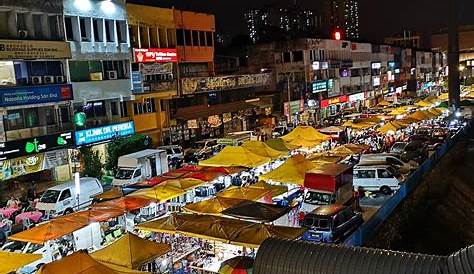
x=378, y=18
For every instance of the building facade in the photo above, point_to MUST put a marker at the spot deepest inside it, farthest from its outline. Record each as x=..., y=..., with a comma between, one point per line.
x=342, y=15
x=35, y=94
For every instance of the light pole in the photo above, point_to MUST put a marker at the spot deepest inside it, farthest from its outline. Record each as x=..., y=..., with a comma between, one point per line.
x=290, y=75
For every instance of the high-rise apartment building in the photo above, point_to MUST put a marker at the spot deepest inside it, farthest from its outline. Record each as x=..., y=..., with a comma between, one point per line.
x=342, y=15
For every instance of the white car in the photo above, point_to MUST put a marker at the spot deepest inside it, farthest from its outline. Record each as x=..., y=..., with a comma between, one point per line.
x=387, y=159
x=376, y=178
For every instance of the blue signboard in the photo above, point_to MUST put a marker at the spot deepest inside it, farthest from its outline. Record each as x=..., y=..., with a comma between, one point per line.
x=137, y=82
x=320, y=86
x=14, y=96
x=102, y=134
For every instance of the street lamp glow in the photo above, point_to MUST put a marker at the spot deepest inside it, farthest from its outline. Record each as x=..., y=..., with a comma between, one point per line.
x=461, y=67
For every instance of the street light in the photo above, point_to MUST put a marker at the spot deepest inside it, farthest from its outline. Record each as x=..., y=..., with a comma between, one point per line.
x=290, y=75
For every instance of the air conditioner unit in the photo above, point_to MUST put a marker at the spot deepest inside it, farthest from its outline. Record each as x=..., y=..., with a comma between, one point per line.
x=60, y=79
x=36, y=80
x=112, y=74
x=48, y=79
x=22, y=34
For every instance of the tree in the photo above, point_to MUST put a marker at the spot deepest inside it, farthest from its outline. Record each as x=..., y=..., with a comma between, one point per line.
x=93, y=166
x=123, y=146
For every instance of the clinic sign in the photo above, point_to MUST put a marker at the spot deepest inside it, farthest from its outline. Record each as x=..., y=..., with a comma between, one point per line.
x=155, y=55
x=103, y=134
x=29, y=95
x=26, y=49
x=30, y=146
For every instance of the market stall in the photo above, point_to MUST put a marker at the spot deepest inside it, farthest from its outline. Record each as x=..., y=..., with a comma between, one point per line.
x=305, y=136
x=232, y=156
x=11, y=262
x=280, y=145
x=262, y=149
x=292, y=171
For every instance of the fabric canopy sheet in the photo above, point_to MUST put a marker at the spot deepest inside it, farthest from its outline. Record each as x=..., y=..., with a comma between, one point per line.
x=160, y=193
x=323, y=157
x=11, y=262
x=383, y=103
x=257, y=211
x=390, y=127
x=331, y=129
x=232, y=156
x=113, y=193
x=130, y=251
x=360, y=126
x=280, y=145
x=275, y=189
x=290, y=172
x=347, y=149
x=262, y=149
x=227, y=230
x=305, y=136
x=81, y=263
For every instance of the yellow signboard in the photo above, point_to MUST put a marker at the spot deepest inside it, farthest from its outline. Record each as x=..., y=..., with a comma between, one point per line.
x=24, y=49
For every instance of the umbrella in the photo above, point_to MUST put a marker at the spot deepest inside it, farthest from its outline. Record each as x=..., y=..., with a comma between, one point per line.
x=237, y=265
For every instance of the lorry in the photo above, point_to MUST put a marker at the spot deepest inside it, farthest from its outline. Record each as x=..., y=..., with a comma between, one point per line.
x=139, y=166
x=326, y=185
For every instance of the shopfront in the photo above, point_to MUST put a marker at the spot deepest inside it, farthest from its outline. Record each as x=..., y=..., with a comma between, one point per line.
x=334, y=105
x=292, y=110
x=357, y=100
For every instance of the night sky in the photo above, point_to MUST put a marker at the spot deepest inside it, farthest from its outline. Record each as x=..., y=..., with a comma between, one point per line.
x=378, y=18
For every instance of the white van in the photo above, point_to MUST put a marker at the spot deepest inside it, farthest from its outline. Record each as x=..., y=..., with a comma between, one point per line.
x=87, y=238
x=63, y=199
x=387, y=159
x=376, y=178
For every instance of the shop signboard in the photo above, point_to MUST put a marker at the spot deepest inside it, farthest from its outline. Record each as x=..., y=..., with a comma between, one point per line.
x=376, y=65
x=156, y=68
x=15, y=96
x=103, y=134
x=30, y=49
x=12, y=168
x=294, y=106
x=214, y=121
x=205, y=84
x=226, y=117
x=376, y=81
x=320, y=86
x=356, y=97
x=137, y=83
x=333, y=101
x=317, y=65
x=192, y=124
x=155, y=55
x=25, y=147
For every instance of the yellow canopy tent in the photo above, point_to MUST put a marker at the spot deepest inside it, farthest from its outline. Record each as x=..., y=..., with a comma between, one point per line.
x=399, y=110
x=361, y=125
x=110, y=194
x=280, y=145
x=430, y=114
x=11, y=262
x=130, y=251
x=383, y=103
x=159, y=193
x=275, y=189
x=331, y=130
x=235, y=156
x=320, y=157
x=246, y=193
x=443, y=96
x=305, y=136
x=389, y=127
x=81, y=263
x=423, y=104
x=213, y=206
x=291, y=172
x=407, y=121
x=184, y=183
x=418, y=115
x=262, y=149
x=227, y=230
x=347, y=149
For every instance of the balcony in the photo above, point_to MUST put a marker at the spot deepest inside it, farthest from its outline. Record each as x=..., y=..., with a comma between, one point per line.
x=193, y=85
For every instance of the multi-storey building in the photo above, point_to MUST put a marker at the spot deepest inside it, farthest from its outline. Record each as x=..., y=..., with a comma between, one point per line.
x=35, y=97
x=407, y=40
x=272, y=23
x=341, y=15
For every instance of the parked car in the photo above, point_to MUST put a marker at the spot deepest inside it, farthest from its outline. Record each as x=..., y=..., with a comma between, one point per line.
x=382, y=178
x=175, y=155
x=414, y=150
x=387, y=159
x=200, y=150
x=331, y=223
x=63, y=198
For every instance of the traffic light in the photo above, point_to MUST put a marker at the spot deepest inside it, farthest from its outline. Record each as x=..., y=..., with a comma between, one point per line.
x=337, y=35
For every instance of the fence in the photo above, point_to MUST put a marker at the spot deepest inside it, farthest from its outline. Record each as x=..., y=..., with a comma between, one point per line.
x=363, y=233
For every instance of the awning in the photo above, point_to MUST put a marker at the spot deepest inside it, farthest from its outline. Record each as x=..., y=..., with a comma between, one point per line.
x=290, y=172
x=184, y=183
x=320, y=157
x=257, y=211
x=226, y=230
x=130, y=251
x=232, y=156
x=80, y=263
x=262, y=149
x=11, y=262
x=305, y=136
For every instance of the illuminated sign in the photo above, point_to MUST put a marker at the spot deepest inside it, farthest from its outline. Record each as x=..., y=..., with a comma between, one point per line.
x=376, y=65
x=333, y=101
x=14, y=96
x=356, y=97
x=376, y=81
x=102, y=134
x=25, y=147
x=155, y=55
x=320, y=86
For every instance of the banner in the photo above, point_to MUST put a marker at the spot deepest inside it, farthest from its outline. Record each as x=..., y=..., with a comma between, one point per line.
x=55, y=158
x=214, y=121
x=105, y=133
x=226, y=117
x=192, y=124
x=156, y=68
x=30, y=49
x=155, y=55
x=206, y=84
x=20, y=166
x=29, y=146
x=14, y=96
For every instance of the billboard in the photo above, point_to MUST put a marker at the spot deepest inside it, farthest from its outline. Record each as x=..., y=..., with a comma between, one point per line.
x=155, y=55
x=103, y=134
x=26, y=49
x=30, y=95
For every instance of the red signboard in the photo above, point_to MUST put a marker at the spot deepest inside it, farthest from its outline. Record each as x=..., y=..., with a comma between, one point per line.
x=333, y=101
x=155, y=55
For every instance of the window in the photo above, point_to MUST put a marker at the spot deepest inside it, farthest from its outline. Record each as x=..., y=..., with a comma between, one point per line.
x=64, y=114
x=14, y=119
x=98, y=30
x=114, y=108
x=162, y=33
x=298, y=56
x=31, y=117
x=202, y=38
x=154, y=39
x=171, y=38
x=180, y=37
x=187, y=37
x=21, y=21
x=148, y=106
x=364, y=174
x=84, y=25
x=382, y=173
x=66, y=194
x=195, y=38
x=95, y=109
x=121, y=31
x=123, y=109
x=209, y=39
x=38, y=26
x=69, y=31
x=137, y=173
x=286, y=57
x=54, y=23
x=133, y=30
x=109, y=30
x=49, y=116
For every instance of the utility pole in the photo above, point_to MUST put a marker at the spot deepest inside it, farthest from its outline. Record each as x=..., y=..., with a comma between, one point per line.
x=453, y=55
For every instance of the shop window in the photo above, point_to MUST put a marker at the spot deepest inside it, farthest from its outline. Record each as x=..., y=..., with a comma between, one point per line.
x=180, y=37
x=187, y=37
x=14, y=120
x=49, y=116
x=209, y=39
x=195, y=38
x=7, y=73
x=31, y=117
x=98, y=29
x=69, y=28
x=114, y=108
x=298, y=56
x=95, y=109
x=79, y=71
x=109, y=31
x=121, y=31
